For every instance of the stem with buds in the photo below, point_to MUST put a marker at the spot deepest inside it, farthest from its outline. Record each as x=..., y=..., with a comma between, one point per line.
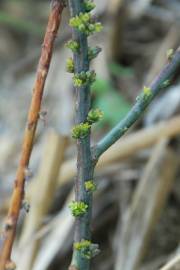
x=83, y=25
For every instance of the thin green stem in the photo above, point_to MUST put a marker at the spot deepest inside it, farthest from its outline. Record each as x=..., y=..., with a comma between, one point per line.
x=161, y=81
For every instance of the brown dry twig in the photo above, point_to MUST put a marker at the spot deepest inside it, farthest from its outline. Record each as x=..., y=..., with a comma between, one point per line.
x=33, y=116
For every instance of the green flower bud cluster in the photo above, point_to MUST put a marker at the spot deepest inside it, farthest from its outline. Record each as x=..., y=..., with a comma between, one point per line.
x=93, y=52
x=145, y=95
x=70, y=65
x=80, y=131
x=87, y=249
x=73, y=45
x=78, y=208
x=85, y=24
x=84, y=78
x=94, y=116
x=147, y=92
x=89, y=5
x=90, y=186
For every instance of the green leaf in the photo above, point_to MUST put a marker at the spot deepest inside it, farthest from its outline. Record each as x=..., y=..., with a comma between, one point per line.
x=114, y=106
x=110, y=101
x=100, y=86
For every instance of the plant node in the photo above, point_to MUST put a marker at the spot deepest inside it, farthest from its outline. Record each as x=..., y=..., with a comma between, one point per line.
x=70, y=65
x=94, y=116
x=90, y=186
x=80, y=131
x=73, y=45
x=84, y=78
x=87, y=249
x=78, y=208
x=85, y=24
x=89, y=5
x=147, y=91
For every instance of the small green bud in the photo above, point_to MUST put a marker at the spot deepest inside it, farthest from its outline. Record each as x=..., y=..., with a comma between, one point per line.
x=146, y=94
x=82, y=244
x=85, y=17
x=169, y=54
x=73, y=45
x=94, y=116
x=87, y=249
x=85, y=24
x=91, y=27
x=93, y=52
x=84, y=78
x=78, y=208
x=90, y=76
x=84, y=248
x=80, y=131
x=77, y=81
x=70, y=65
x=147, y=91
x=90, y=186
x=98, y=27
x=82, y=28
x=89, y=5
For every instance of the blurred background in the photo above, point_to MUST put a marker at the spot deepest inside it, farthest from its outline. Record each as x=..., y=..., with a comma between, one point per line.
x=136, y=217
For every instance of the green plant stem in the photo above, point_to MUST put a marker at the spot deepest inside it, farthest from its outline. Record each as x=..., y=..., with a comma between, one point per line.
x=84, y=161
x=142, y=102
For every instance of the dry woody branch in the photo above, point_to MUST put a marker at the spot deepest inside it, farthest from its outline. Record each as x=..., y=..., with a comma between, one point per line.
x=33, y=116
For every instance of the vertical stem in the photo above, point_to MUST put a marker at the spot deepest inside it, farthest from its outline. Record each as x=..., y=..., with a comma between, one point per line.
x=85, y=168
x=33, y=116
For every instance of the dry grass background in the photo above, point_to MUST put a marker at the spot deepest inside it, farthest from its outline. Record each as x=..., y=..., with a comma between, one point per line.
x=136, y=211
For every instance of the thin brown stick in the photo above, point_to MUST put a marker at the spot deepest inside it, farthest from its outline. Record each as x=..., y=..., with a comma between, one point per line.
x=33, y=116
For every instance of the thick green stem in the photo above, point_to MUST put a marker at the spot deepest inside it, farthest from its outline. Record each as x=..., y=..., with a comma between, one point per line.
x=84, y=162
x=142, y=102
